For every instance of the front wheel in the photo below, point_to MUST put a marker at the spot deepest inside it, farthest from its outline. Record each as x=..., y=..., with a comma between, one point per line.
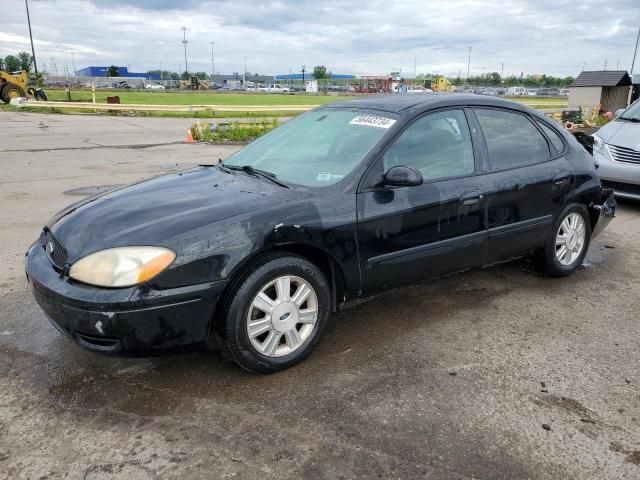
x=567, y=246
x=275, y=313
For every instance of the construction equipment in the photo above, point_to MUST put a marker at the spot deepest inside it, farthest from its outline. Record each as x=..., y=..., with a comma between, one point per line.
x=14, y=85
x=194, y=83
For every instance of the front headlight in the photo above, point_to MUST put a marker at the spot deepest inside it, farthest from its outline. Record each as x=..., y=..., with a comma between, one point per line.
x=598, y=143
x=122, y=266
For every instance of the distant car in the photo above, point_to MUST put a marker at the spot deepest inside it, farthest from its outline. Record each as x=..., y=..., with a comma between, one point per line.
x=564, y=92
x=154, y=86
x=419, y=90
x=616, y=148
x=275, y=88
x=490, y=92
x=253, y=254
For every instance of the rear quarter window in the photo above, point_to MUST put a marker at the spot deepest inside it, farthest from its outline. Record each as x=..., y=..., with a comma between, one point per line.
x=553, y=136
x=512, y=139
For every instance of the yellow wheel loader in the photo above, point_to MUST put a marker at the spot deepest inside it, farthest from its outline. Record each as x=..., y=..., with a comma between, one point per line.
x=13, y=85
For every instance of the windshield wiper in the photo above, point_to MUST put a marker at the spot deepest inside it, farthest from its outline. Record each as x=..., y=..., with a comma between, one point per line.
x=256, y=172
x=630, y=119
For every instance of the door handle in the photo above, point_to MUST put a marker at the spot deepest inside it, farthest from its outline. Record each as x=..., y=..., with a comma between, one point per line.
x=471, y=199
x=561, y=180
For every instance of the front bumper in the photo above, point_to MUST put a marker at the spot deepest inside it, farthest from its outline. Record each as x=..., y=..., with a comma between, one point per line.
x=623, y=177
x=126, y=321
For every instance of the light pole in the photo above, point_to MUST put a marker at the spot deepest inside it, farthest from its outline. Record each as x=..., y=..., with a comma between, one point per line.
x=184, y=42
x=213, y=70
x=33, y=52
x=635, y=51
x=469, y=64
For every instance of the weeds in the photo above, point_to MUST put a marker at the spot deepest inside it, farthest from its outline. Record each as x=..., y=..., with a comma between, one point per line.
x=232, y=132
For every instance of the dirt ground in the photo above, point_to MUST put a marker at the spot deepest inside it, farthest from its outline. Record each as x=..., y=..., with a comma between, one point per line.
x=494, y=373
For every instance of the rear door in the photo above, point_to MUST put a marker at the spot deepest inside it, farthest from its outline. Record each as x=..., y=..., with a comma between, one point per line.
x=529, y=180
x=409, y=233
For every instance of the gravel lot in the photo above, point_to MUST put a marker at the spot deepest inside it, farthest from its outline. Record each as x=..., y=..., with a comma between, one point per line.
x=494, y=373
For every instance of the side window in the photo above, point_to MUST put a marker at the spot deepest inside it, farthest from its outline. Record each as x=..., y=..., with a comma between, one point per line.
x=439, y=145
x=556, y=141
x=512, y=140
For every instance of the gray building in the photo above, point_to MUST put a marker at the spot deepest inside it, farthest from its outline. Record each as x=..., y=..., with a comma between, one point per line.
x=609, y=88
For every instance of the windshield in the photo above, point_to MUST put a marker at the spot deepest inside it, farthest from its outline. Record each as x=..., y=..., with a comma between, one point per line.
x=633, y=112
x=316, y=149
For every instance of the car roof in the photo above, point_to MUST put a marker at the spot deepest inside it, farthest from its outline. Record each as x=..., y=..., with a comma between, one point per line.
x=398, y=103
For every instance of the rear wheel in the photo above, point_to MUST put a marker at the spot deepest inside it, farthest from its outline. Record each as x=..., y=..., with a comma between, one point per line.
x=566, y=248
x=11, y=90
x=275, y=314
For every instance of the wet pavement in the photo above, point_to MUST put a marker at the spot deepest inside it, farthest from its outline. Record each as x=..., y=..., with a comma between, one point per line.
x=494, y=373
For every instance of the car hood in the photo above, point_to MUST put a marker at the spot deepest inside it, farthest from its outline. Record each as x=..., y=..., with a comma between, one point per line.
x=622, y=134
x=163, y=210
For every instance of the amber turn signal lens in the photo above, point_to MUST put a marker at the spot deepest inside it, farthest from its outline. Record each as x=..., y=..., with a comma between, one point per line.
x=155, y=266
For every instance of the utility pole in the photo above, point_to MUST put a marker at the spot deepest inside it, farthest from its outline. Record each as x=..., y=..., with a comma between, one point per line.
x=73, y=63
x=469, y=64
x=635, y=51
x=303, y=70
x=244, y=73
x=184, y=42
x=54, y=67
x=33, y=52
x=502, y=72
x=605, y=63
x=213, y=69
x=415, y=70
x=584, y=66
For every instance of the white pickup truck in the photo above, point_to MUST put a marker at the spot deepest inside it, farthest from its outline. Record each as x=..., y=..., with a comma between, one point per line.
x=275, y=88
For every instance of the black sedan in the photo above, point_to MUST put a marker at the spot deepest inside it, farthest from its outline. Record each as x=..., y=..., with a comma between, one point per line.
x=252, y=255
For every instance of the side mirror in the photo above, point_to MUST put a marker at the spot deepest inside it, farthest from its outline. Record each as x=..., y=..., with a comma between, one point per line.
x=402, y=176
x=618, y=112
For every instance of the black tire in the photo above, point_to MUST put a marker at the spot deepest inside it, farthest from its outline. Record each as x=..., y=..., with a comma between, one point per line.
x=11, y=90
x=235, y=310
x=547, y=260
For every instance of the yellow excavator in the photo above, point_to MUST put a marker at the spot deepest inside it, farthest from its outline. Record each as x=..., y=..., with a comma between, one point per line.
x=13, y=85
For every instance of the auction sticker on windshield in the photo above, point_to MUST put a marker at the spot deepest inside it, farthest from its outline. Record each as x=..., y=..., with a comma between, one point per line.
x=373, y=121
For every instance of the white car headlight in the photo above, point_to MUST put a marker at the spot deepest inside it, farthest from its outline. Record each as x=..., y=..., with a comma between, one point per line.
x=598, y=143
x=122, y=266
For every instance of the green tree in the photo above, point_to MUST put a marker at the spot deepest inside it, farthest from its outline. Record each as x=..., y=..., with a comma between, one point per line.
x=112, y=71
x=319, y=72
x=11, y=63
x=25, y=60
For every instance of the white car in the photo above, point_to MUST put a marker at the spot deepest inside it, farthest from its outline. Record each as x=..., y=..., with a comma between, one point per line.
x=154, y=86
x=419, y=90
x=616, y=148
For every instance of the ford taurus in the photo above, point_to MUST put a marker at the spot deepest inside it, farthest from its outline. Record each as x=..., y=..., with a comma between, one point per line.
x=251, y=255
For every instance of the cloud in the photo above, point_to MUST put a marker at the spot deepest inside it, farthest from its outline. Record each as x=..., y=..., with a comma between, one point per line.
x=543, y=36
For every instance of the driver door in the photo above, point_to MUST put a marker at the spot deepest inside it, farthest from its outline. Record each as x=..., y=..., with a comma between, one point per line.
x=406, y=234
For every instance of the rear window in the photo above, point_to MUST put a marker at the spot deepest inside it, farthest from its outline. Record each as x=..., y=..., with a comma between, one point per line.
x=512, y=140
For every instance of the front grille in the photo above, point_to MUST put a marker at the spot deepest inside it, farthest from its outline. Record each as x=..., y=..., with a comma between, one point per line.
x=56, y=252
x=624, y=154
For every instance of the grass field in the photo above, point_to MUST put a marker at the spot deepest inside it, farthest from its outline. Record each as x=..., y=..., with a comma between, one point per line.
x=235, y=99
x=194, y=98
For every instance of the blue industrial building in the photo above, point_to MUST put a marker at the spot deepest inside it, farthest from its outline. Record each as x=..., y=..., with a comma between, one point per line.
x=122, y=72
x=309, y=76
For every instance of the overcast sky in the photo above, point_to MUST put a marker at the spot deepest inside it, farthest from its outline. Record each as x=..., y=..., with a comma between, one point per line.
x=375, y=37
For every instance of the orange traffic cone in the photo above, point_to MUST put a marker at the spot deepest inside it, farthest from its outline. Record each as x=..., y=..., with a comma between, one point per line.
x=190, y=136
